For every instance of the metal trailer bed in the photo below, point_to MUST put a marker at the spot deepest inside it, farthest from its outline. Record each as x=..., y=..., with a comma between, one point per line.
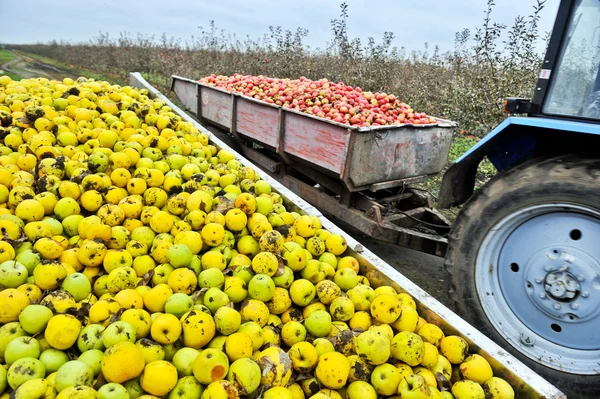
x=362, y=173
x=526, y=383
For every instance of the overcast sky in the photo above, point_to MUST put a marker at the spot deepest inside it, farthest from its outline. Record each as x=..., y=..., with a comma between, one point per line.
x=413, y=22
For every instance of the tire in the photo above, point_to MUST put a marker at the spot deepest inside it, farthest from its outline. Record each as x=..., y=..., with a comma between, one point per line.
x=562, y=193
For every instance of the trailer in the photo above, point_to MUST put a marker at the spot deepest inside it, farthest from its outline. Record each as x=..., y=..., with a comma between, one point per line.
x=526, y=383
x=330, y=164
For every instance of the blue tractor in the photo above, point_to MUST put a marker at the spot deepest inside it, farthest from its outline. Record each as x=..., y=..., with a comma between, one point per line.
x=524, y=253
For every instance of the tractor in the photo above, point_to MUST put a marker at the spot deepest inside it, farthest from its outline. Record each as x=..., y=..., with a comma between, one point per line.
x=524, y=252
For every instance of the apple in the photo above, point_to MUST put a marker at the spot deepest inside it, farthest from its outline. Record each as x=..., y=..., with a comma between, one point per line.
x=179, y=255
x=385, y=379
x=92, y=358
x=78, y=285
x=12, y=274
x=119, y=331
x=8, y=332
x=34, y=318
x=261, y=187
x=414, y=387
x=261, y=287
x=196, y=264
x=151, y=350
x=161, y=274
x=318, y=323
x=71, y=373
x=183, y=359
x=90, y=337
x=212, y=277
x=214, y=298
x=3, y=379
x=178, y=304
x=134, y=388
x=29, y=259
x=25, y=369
x=113, y=391
x=21, y=347
x=53, y=359
x=186, y=387
x=346, y=278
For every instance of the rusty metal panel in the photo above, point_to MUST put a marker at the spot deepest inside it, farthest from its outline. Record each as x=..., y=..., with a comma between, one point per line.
x=527, y=384
x=216, y=106
x=398, y=152
x=186, y=92
x=257, y=121
x=314, y=141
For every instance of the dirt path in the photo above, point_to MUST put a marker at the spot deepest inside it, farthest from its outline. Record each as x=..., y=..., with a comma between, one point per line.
x=28, y=67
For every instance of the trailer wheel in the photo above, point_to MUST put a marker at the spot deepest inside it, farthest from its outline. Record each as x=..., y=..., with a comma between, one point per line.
x=524, y=255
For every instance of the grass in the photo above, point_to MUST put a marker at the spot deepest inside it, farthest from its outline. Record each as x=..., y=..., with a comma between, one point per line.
x=78, y=70
x=7, y=56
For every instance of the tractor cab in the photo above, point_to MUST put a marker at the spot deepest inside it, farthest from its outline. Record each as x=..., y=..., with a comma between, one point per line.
x=569, y=82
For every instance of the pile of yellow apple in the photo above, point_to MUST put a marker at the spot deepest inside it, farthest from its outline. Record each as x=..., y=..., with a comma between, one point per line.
x=138, y=260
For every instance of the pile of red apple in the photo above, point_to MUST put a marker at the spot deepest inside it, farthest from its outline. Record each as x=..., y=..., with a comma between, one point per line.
x=337, y=102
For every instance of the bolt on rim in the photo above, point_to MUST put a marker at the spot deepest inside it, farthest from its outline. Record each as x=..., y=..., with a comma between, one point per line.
x=538, y=279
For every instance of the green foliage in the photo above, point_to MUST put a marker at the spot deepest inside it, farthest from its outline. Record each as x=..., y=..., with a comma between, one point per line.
x=7, y=56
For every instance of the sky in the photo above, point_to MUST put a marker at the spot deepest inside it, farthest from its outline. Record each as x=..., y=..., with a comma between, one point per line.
x=413, y=22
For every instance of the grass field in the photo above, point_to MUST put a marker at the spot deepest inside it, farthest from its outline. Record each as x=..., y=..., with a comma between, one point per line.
x=7, y=56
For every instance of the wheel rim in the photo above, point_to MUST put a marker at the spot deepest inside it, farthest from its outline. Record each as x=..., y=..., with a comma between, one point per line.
x=538, y=280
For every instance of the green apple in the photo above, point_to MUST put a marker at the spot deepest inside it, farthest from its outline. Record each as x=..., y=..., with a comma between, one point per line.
x=134, y=388
x=25, y=369
x=12, y=274
x=318, y=323
x=261, y=187
x=178, y=304
x=261, y=287
x=72, y=373
x=161, y=274
x=244, y=272
x=119, y=331
x=214, y=298
x=207, y=362
x=186, y=387
x=285, y=279
x=212, y=277
x=196, y=264
x=113, y=391
x=57, y=227
x=8, y=332
x=71, y=224
x=3, y=380
x=20, y=348
x=314, y=271
x=78, y=285
x=90, y=337
x=385, y=379
x=53, y=359
x=414, y=387
x=29, y=259
x=25, y=246
x=34, y=318
x=264, y=205
x=176, y=161
x=170, y=351
x=93, y=358
x=323, y=345
x=246, y=374
x=179, y=255
x=346, y=278
x=183, y=359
